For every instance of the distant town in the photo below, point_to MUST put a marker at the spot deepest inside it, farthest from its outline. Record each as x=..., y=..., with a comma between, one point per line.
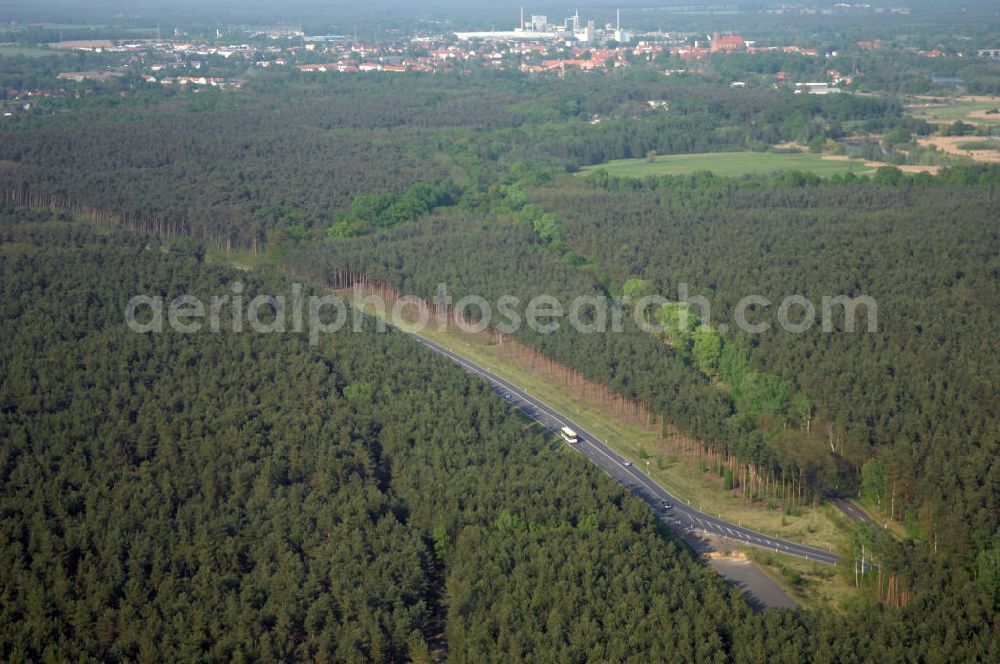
x=535, y=44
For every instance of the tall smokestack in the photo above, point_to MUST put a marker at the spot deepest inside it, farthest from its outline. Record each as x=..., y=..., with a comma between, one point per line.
x=618, y=22
x=522, y=17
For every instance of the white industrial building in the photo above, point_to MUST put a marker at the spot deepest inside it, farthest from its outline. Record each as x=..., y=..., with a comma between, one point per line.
x=538, y=28
x=816, y=89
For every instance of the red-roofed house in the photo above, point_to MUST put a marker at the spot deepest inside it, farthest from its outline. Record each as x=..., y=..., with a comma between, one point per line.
x=728, y=43
x=585, y=65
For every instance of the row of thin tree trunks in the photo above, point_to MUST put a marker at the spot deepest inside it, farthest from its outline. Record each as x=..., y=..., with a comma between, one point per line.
x=23, y=197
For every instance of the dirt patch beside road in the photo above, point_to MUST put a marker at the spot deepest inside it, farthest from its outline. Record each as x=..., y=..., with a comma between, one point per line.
x=758, y=588
x=760, y=591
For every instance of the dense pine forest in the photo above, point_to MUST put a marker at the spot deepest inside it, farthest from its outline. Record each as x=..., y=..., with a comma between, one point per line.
x=916, y=400
x=246, y=496
x=292, y=153
x=907, y=400
x=904, y=416
x=249, y=496
x=254, y=497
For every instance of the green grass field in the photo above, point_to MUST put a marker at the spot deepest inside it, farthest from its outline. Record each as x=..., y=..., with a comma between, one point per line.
x=964, y=109
x=11, y=50
x=730, y=164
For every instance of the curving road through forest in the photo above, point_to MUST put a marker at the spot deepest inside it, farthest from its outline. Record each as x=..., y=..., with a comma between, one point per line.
x=678, y=515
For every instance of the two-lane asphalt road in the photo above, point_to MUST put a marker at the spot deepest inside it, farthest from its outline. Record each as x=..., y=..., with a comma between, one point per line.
x=851, y=511
x=679, y=515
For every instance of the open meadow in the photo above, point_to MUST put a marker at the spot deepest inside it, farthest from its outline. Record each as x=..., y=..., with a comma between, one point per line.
x=731, y=164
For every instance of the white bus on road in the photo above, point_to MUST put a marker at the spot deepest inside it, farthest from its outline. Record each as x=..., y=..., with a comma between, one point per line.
x=568, y=435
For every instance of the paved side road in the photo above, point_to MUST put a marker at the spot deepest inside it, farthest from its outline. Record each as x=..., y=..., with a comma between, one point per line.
x=688, y=520
x=851, y=511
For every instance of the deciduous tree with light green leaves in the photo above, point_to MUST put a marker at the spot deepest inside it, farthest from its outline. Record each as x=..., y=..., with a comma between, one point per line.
x=707, y=349
x=636, y=288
